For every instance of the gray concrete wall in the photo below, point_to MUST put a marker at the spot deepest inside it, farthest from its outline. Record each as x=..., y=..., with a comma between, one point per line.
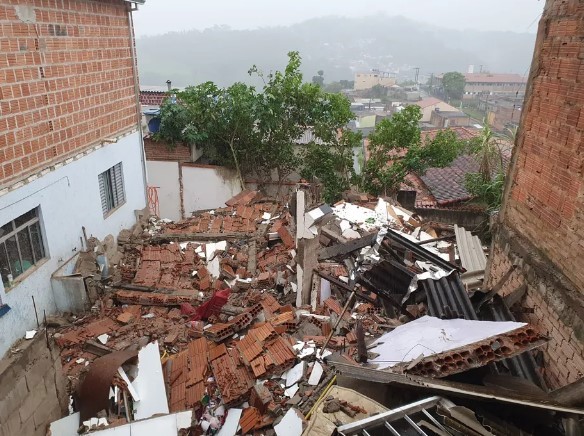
x=32, y=389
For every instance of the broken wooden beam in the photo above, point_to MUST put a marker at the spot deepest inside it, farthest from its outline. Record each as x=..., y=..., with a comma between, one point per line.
x=345, y=286
x=198, y=237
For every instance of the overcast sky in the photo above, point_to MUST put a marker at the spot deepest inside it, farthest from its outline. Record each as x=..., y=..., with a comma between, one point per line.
x=161, y=16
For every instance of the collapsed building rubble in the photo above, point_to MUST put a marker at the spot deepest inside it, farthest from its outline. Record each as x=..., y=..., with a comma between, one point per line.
x=211, y=315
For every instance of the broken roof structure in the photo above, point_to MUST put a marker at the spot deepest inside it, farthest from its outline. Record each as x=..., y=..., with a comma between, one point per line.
x=206, y=309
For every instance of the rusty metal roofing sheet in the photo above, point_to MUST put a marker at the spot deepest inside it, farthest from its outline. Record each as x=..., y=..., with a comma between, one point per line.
x=470, y=250
x=93, y=394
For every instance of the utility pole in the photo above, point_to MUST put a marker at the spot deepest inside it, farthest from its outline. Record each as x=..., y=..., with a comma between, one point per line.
x=417, y=73
x=481, y=69
x=431, y=83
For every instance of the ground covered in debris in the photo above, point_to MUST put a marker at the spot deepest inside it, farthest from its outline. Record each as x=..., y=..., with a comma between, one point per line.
x=241, y=317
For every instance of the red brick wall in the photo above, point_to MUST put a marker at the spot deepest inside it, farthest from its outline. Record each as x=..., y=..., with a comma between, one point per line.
x=541, y=223
x=66, y=80
x=150, y=98
x=161, y=151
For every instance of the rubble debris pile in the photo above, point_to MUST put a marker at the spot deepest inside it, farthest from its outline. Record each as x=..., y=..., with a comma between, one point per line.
x=221, y=293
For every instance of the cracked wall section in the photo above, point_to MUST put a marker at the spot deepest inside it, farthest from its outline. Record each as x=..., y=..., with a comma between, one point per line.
x=32, y=388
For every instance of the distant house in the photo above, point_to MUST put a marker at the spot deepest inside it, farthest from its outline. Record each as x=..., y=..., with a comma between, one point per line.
x=364, y=81
x=503, y=112
x=440, y=194
x=481, y=83
x=445, y=119
x=430, y=104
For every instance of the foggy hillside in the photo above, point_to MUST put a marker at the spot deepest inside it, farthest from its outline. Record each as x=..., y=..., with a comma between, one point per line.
x=338, y=46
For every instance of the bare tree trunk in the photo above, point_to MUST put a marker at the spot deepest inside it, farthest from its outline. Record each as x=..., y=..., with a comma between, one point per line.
x=237, y=165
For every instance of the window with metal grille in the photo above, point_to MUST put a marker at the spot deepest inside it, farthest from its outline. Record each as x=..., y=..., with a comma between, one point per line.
x=21, y=246
x=111, y=188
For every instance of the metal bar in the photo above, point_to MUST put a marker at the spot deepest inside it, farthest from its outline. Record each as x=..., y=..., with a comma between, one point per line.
x=390, y=415
x=415, y=426
x=391, y=429
x=435, y=421
x=35, y=312
x=8, y=260
x=31, y=246
x=18, y=229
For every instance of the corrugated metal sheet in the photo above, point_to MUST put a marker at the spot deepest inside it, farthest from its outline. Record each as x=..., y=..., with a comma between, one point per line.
x=524, y=365
x=447, y=298
x=419, y=251
x=470, y=250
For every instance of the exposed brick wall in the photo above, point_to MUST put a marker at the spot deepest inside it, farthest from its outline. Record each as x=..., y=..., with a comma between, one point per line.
x=151, y=98
x=542, y=227
x=549, y=304
x=66, y=80
x=547, y=197
x=161, y=151
x=32, y=389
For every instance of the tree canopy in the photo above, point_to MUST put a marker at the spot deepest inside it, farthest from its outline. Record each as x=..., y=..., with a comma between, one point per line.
x=396, y=149
x=453, y=83
x=488, y=183
x=256, y=132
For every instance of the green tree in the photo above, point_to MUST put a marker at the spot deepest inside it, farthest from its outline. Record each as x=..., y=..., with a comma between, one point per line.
x=256, y=132
x=347, y=84
x=377, y=91
x=319, y=79
x=487, y=185
x=333, y=166
x=453, y=83
x=333, y=87
x=396, y=149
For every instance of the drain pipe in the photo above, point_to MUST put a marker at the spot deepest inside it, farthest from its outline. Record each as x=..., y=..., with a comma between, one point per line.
x=137, y=96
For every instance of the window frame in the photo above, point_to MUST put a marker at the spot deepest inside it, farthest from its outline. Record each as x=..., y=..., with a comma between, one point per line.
x=112, y=189
x=14, y=233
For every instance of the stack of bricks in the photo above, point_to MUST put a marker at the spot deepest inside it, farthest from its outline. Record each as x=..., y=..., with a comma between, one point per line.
x=541, y=224
x=66, y=81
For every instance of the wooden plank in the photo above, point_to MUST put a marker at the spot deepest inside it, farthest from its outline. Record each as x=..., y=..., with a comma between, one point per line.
x=347, y=247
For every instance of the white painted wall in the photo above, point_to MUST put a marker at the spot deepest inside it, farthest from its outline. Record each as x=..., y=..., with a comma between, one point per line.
x=208, y=187
x=165, y=175
x=69, y=199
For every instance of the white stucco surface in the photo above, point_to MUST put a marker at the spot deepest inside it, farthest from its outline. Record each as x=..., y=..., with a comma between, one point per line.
x=68, y=198
x=207, y=187
x=165, y=176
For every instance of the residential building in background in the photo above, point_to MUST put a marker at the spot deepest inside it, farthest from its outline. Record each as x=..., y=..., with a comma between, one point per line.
x=431, y=104
x=368, y=80
x=71, y=155
x=445, y=119
x=487, y=83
